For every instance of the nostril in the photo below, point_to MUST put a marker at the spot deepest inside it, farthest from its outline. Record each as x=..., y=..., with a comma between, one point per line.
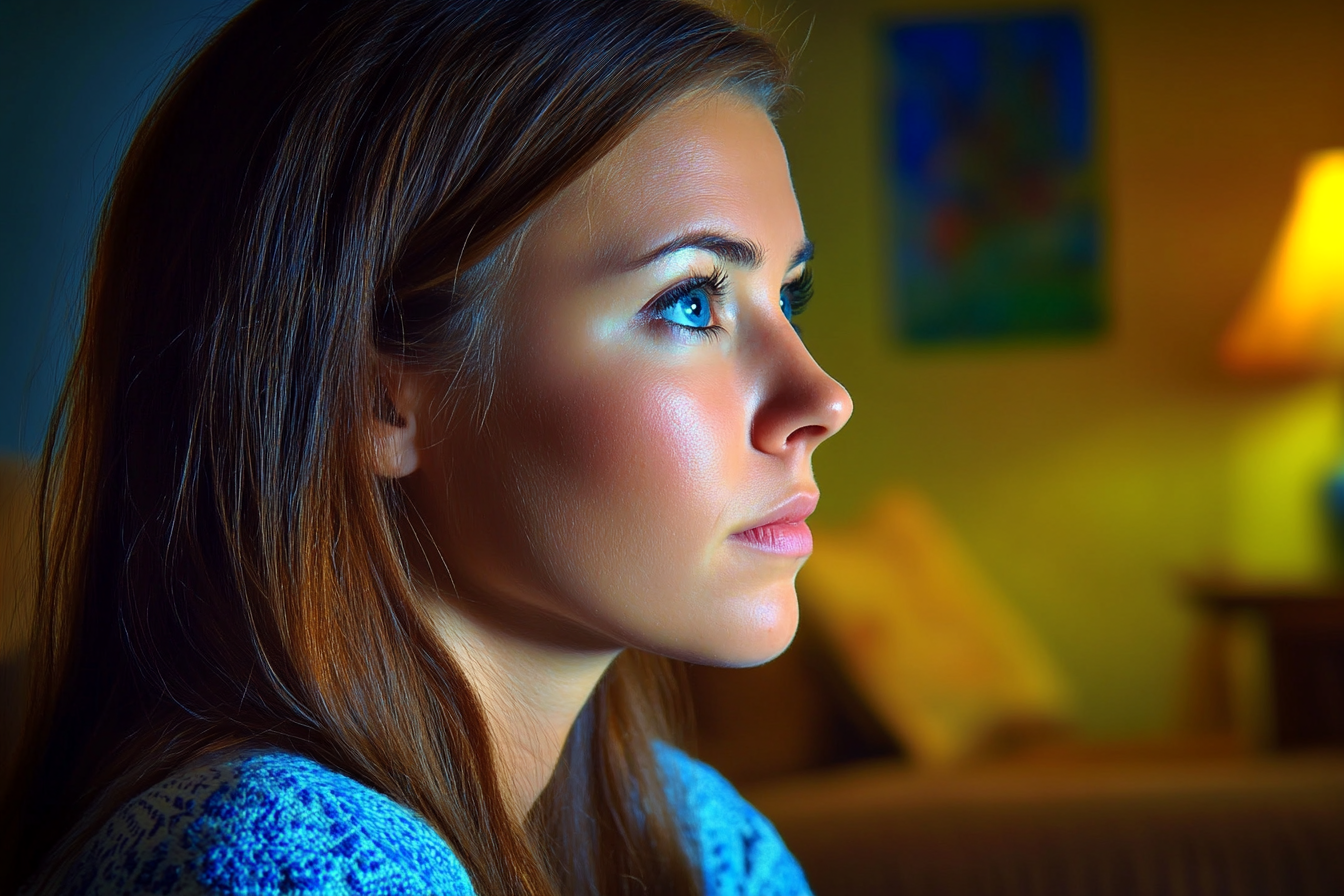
x=811, y=433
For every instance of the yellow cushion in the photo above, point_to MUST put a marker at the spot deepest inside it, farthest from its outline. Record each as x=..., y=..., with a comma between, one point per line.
x=941, y=658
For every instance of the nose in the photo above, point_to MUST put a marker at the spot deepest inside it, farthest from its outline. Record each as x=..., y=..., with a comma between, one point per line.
x=801, y=405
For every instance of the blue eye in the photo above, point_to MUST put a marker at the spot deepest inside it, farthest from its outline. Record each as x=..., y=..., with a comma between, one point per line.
x=690, y=308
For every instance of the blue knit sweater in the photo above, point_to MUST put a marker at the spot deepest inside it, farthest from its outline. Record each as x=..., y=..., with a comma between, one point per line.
x=277, y=823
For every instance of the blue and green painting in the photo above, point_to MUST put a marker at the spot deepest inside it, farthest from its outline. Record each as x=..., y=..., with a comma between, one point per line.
x=993, y=173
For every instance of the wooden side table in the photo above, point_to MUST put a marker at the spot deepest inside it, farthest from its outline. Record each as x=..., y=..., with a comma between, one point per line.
x=1303, y=625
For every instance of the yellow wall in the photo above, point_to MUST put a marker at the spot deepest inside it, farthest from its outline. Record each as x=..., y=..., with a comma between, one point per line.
x=1086, y=477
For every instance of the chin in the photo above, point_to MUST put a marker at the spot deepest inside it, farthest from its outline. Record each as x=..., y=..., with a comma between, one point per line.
x=756, y=628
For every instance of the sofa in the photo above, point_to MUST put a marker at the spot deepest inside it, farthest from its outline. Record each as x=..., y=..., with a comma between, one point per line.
x=1055, y=817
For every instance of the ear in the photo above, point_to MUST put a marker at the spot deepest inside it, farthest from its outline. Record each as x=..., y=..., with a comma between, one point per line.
x=393, y=433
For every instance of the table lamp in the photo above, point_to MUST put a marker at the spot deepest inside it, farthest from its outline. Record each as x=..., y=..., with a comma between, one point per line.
x=1293, y=322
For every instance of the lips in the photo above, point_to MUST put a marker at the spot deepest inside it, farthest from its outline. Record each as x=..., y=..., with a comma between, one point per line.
x=785, y=531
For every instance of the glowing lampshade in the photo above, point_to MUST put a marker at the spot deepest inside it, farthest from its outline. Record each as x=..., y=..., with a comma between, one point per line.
x=1294, y=321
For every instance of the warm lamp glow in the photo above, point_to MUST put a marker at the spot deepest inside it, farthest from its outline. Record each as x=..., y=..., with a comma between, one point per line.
x=1294, y=321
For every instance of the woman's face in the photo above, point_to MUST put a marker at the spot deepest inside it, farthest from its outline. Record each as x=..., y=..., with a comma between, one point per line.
x=644, y=464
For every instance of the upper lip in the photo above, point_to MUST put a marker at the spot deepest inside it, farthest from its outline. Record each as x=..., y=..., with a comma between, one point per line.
x=794, y=510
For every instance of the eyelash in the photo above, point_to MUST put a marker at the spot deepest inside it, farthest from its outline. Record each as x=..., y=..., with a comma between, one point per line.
x=798, y=292
x=715, y=285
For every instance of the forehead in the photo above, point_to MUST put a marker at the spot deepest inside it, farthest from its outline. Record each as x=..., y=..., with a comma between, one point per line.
x=709, y=162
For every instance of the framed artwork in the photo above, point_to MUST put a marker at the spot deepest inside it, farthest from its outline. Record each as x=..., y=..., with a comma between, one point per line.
x=992, y=170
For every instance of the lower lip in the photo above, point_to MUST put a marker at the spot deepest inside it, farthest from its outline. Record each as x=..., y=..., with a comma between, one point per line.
x=786, y=539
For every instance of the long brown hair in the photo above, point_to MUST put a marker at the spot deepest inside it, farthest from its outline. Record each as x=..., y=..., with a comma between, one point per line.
x=320, y=187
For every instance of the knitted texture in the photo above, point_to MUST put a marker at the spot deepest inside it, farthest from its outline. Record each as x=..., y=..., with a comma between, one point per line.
x=741, y=854
x=275, y=823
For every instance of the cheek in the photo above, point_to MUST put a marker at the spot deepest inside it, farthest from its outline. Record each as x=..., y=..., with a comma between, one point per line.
x=631, y=475
x=681, y=437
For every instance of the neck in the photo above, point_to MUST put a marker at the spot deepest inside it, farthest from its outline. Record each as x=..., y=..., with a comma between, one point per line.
x=531, y=693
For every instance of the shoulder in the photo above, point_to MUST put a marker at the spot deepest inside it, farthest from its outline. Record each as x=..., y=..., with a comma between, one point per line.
x=265, y=823
x=739, y=850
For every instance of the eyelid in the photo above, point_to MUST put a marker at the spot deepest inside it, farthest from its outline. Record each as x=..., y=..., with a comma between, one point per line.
x=802, y=278
x=716, y=284
x=795, y=295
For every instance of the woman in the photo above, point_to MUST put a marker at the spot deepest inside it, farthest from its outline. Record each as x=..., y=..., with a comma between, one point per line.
x=437, y=383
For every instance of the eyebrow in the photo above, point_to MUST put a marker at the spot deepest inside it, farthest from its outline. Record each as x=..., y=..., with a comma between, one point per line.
x=743, y=253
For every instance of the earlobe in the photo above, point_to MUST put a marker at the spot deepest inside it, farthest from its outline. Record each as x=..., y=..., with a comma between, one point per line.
x=394, y=449
x=394, y=443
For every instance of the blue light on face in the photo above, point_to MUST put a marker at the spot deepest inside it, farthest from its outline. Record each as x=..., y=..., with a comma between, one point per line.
x=690, y=309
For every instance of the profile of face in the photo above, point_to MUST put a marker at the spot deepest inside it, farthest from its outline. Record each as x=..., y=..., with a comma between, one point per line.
x=641, y=473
